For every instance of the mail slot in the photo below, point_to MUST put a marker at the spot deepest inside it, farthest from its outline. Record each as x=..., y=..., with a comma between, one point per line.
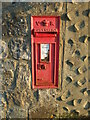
x=45, y=51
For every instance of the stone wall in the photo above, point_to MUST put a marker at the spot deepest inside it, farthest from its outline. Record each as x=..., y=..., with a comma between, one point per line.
x=18, y=100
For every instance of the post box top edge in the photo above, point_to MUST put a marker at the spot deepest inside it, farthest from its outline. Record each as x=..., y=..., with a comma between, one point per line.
x=47, y=16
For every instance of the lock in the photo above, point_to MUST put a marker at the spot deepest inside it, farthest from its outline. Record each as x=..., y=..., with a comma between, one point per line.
x=43, y=67
x=45, y=51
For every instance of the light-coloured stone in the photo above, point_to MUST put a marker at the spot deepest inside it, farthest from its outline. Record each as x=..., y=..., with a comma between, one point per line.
x=3, y=50
x=72, y=94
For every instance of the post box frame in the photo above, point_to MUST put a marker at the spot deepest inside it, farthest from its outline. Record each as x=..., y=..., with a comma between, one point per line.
x=32, y=57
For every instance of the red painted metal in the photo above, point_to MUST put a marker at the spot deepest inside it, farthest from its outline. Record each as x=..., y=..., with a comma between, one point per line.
x=45, y=51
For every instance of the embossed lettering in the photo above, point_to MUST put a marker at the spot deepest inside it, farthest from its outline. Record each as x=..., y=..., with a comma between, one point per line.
x=37, y=23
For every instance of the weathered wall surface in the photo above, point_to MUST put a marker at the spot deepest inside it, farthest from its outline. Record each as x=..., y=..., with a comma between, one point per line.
x=72, y=96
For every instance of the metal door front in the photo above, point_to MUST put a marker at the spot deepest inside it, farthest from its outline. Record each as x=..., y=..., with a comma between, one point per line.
x=45, y=64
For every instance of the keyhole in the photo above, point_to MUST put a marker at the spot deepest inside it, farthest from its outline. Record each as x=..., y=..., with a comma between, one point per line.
x=42, y=67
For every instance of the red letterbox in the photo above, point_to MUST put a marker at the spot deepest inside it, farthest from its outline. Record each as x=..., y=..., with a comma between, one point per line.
x=45, y=51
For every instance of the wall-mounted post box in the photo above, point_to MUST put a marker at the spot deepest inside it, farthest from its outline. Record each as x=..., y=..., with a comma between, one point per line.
x=45, y=51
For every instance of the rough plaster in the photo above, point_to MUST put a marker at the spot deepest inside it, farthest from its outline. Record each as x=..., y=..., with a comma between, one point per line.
x=72, y=96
